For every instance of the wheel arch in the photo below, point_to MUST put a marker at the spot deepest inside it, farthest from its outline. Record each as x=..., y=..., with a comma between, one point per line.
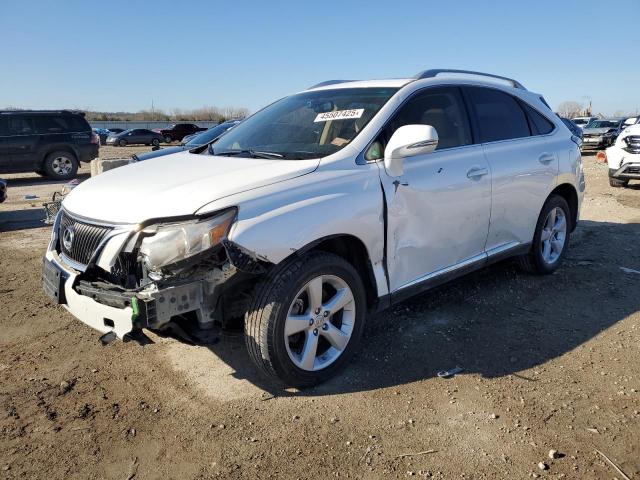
x=59, y=148
x=354, y=251
x=569, y=193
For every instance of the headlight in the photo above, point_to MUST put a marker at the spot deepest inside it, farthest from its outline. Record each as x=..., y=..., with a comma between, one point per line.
x=172, y=242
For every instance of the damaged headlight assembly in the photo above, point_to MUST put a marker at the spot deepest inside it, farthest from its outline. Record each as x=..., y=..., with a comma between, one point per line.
x=169, y=243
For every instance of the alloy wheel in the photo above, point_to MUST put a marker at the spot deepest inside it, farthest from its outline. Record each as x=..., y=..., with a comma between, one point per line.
x=62, y=165
x=319, y=322
x=554, y=235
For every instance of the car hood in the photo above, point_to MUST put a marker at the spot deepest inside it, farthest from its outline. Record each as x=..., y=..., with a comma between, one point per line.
x=631, y=130
x=596, y=131
x=175, y=185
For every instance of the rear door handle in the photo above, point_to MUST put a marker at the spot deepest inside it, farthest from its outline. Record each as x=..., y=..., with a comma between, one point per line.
x=546, y=158
x=477, y=172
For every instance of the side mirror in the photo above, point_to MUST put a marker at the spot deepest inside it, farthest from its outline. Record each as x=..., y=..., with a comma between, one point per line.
x=408, y=141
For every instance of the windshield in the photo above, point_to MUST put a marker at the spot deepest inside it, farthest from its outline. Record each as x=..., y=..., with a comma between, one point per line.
x=580, y=121
x=208, y=135
x=603, y=124
x=307, y=125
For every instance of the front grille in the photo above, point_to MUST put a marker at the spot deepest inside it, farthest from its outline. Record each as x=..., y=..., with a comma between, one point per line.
x=85, y=238
x=632, y=170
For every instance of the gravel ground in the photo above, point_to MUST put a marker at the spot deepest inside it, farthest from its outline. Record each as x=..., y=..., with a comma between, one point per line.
x=550, y=363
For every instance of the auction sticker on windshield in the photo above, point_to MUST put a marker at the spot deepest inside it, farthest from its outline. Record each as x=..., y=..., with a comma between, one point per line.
x=339, y=115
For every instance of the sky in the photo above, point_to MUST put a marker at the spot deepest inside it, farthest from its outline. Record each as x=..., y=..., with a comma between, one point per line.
x=123, y=55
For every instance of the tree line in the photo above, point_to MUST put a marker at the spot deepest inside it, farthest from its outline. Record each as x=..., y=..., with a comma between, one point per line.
x=208, y=114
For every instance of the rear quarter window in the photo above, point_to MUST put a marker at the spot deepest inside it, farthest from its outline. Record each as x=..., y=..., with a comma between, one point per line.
x=499, y=115
x=540, y=125
x=77, y=123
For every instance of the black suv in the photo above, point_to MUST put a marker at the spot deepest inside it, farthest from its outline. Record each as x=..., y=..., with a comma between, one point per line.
x=50, y=143
x=178, y=131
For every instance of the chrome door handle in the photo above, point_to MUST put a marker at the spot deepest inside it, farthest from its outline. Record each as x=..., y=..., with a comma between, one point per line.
x=546, y=158
x=477, y=172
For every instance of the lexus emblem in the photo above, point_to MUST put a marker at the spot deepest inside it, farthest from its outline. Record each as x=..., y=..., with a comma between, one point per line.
x=67, y=237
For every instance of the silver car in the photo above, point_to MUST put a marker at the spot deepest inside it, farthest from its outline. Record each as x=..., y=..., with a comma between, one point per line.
x=600, y=134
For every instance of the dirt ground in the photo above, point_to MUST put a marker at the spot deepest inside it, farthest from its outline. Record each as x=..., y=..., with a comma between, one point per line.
x=550, y=363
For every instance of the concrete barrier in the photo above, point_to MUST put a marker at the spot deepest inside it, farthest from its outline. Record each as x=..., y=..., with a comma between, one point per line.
x=100, y=165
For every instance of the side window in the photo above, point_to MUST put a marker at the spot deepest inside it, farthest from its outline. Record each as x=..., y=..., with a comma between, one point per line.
x=499, y=115
x=50, y=124
x=539, y=124
x=442, y=108
x=19, y=125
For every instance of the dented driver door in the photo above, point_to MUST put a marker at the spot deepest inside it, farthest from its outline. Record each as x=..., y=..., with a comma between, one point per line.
x=438, y=210
x=437, y=214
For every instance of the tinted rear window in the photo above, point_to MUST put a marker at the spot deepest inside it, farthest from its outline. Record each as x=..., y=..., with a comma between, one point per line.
x=59, y=123
x=499, y=115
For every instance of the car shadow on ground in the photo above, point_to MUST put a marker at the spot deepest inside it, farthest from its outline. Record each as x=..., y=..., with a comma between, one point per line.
x=22, y=219
x=33, y=217
x=39, y=181
x=494, y=322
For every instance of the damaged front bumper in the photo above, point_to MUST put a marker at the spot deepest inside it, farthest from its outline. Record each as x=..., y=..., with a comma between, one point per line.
x=108, y=308
x=58, y=281
x=207, y=288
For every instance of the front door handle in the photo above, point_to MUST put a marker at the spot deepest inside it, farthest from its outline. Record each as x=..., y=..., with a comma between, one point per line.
x=477, y=172
x=546, y=158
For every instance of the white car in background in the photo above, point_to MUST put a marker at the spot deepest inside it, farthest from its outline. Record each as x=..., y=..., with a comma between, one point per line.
x=326, y=205
x=624, y=157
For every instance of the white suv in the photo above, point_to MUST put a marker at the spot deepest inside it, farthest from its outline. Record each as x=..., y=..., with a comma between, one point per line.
x=320, y=208
x=623, y=157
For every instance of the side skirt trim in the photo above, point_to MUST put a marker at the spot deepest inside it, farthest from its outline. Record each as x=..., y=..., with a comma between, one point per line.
x=447, y=274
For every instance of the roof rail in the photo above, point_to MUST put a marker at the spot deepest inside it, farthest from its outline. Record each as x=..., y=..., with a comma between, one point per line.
x=437, y=71
x=62, y=110
x=329, y=82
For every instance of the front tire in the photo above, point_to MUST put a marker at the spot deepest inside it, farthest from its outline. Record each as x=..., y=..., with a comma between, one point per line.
x=122, y=142
x=168, y=139
x=617, y=183
x=306, y=319
x=60, y=165
x=155, y=142
x=550, y=239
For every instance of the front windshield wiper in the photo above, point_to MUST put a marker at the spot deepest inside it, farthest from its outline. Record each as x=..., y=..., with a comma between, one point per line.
x=252, y=153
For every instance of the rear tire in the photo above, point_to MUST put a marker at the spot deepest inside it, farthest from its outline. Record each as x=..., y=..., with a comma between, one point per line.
x=550, y=239
x=617, y=183
x=284, y=299
x=60, y=165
